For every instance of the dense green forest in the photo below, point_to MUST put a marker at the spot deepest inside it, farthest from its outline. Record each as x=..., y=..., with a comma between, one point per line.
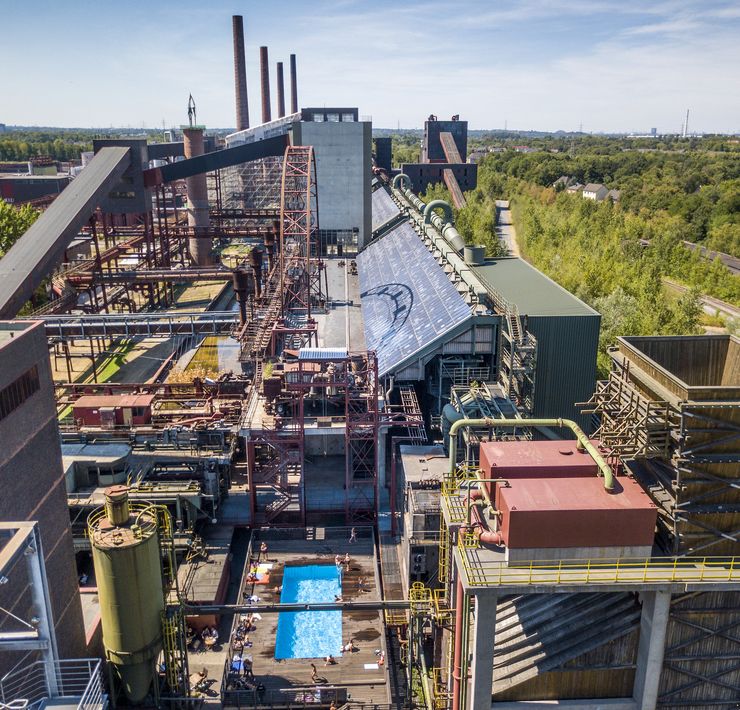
x=60, y=145
x=14, y=221
x=599, y=251
x=701, y=189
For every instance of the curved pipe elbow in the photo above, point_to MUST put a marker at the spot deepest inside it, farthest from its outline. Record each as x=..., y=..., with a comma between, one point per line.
x=583, y=442
x=401, y=177
x=489, y=537
x=437, y=204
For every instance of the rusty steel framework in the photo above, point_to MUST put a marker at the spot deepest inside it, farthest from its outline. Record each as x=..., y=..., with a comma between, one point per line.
x=361, y=438
x=350, y=384
x=300, y=262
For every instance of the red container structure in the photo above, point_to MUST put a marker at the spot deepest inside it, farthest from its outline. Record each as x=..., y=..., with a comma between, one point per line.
x=110, y=411
x=576, y=513
x=534, y=459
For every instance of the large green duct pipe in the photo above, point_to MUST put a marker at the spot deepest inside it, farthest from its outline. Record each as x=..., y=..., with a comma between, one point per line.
x=401, y=177
x=437, y=204
x=444, y=225
x=583, y=442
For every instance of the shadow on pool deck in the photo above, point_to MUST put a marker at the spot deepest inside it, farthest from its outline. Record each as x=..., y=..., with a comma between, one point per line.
x=364, y=627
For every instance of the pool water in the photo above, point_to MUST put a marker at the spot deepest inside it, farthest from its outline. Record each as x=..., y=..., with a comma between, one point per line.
x=309, y=634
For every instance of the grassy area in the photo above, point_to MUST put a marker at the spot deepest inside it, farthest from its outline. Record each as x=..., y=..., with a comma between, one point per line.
x=206, y=357
x=197, y=295
x=115, y=361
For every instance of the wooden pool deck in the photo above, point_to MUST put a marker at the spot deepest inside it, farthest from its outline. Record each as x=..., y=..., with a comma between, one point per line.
x=365, y=628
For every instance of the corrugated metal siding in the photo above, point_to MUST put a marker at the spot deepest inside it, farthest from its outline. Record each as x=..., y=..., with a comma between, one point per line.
x=566, y=364
x=322, y=353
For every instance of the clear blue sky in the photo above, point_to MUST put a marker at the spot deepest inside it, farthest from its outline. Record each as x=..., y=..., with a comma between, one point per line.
x=535, y=64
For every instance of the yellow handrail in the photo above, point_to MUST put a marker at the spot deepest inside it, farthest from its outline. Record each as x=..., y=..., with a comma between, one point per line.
x=643, y=570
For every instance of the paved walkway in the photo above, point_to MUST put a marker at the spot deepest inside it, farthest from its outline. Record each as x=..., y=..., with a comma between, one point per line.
x=505, y=230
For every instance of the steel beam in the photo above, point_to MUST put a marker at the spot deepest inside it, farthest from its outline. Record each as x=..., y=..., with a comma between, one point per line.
x=151, y=325
x=380, y=605
x=42, y=247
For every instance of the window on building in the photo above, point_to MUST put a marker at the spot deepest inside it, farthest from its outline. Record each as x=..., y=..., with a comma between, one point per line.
x=332, y=117
x=18, y=391
x=318, y=118
x=348, y=118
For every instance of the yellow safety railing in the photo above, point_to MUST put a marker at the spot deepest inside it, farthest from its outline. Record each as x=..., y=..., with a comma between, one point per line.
x=444, y=552
x=480, y=572
x=172, y=625
x=442, y=610
x=396, y=617
x=441, y=695
x=146, y=519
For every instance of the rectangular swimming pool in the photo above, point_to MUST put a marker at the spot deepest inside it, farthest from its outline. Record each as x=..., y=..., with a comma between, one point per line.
x=309, y=634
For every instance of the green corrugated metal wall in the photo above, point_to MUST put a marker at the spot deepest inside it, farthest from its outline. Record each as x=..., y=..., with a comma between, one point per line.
x=566, y=364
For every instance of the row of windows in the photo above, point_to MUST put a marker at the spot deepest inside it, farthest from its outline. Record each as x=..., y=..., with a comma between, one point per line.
x=17, y=392
x=333, y=118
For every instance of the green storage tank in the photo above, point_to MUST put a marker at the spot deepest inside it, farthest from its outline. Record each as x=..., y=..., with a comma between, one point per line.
x=128, y=570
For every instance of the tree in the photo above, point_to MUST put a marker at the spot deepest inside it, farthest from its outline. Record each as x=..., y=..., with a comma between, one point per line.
x=14, y=222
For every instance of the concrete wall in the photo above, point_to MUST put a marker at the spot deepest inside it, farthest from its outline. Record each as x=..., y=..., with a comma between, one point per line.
x=343, y=170
x=32, y=481
x=432, y=150
x=424, y=174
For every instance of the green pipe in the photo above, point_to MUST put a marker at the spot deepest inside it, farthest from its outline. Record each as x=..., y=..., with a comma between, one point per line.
x=399, y=178
x=437, y=204
x=583, y=442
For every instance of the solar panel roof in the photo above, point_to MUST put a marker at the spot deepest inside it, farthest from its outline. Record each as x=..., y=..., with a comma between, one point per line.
x=408, y=302
x=383, y=207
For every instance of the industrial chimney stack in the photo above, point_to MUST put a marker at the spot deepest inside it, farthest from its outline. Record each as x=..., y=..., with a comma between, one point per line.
x=280, y=91
x=265, y=74
x=240, y=74
x=293, y=86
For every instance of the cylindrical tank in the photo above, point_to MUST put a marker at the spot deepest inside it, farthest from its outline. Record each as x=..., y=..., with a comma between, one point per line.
x=475, y=255
x=128, y=570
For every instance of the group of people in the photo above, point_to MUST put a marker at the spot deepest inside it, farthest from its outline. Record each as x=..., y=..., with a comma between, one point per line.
x=209, y=636
x=240, y=636
x=339, y=561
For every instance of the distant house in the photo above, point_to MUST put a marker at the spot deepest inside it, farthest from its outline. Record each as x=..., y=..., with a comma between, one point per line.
x=563, y=181
x=613, y=195
x=595, y=191
x=575, y=187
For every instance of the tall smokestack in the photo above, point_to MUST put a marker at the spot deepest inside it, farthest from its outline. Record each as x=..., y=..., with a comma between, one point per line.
x=199, y=243
x=240, y=74
x=280, y=90
x=265, y=73
x=293, y=86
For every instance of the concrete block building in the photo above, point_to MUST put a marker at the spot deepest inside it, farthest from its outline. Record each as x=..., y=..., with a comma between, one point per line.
x=32, y=479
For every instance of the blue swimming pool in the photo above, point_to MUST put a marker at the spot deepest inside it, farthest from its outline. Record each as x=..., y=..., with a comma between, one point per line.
x=309, y=634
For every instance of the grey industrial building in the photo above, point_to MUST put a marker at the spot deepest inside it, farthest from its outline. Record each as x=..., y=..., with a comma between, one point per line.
x=32, y=479
x=441, y=315
x=342, y=145
x=566, y=329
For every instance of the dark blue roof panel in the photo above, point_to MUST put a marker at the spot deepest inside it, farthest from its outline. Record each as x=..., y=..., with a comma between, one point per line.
x=383, y=207
x=408, y=302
